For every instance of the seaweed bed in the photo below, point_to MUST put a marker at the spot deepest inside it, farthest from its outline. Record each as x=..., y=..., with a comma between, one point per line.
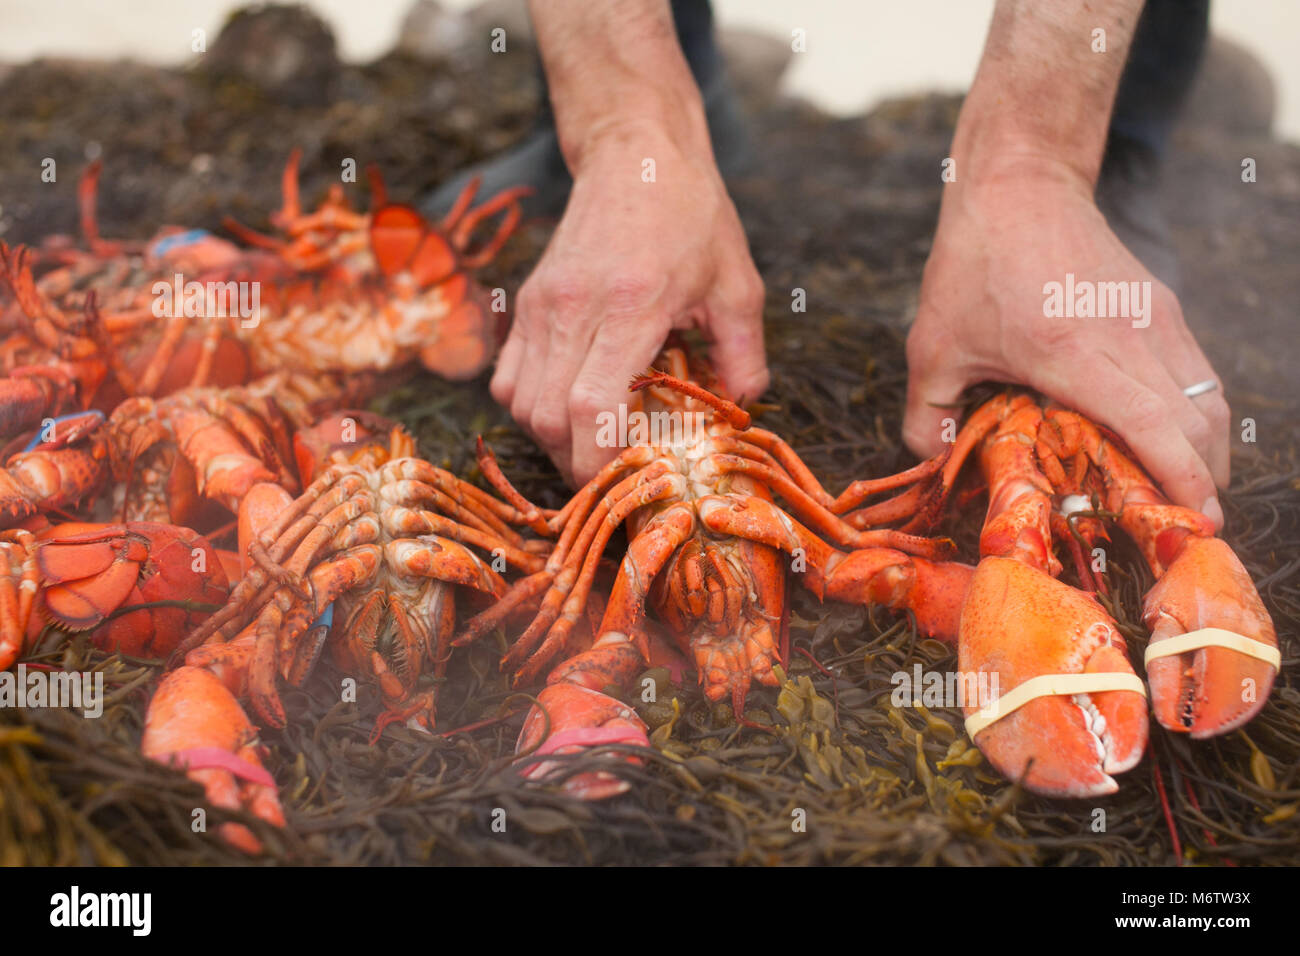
x=835, y=207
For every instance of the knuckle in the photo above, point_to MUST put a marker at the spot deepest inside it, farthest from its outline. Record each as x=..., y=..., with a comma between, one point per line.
x=549, y=424
x=521, y=412
x=502, y=389
x=1217, y=414
x=1165, y=301
x=1198, y=432
x=528, y=306
x=567, y=294
x=630, y=290
x=1057, y=336
x=1144, y=411
x=584, y=402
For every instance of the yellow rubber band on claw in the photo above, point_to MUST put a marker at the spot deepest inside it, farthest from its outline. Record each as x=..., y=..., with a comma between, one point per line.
x=1051, y=685
x=1214, y=637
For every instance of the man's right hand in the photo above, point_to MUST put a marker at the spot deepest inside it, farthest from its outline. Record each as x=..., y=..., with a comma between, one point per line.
x=649, y=241
x=629, y=262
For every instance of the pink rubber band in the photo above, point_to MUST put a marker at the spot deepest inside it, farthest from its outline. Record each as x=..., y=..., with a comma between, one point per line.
x=214, y=758
x=592, y=737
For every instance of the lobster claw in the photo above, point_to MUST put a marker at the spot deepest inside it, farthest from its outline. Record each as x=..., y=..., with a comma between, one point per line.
x=88, y=576
x=194, y=723
x=402, y=240
x=1019, y=624
x=579, y=718
x=1208, y=690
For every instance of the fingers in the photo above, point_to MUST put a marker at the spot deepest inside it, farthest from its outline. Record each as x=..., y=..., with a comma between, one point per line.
x=1144, y=419
x=1182, y=412
x=734, y=325
x=619, y=351
x=563, y=319
x=936, y=377
x=1188, y=365
x=549, y=411
x=1215, y=409
x=505, y=376
x=532, y=333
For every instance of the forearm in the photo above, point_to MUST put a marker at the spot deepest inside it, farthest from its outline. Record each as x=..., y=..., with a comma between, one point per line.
x=615, y=70
x=1041, y=94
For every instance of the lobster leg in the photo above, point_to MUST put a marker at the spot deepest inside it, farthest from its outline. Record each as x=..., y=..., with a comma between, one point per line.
x=417, y=521
x=580, y=714
x=560, y=573
x=789, y=459
x=821, y=519
x=932, y=591
x=670, y=486
x=271, y=648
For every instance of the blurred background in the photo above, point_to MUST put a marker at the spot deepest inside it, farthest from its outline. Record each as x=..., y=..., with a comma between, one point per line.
x=858, y=52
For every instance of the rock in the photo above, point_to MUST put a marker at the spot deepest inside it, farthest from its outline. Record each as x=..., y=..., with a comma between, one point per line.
x=1233, y=91
x=510, y=15
x=285, y=51
x=432, y=32
x=429, y=31
x=756, y=62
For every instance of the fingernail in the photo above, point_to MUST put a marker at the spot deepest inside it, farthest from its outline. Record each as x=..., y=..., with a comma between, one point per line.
x=1212, y=511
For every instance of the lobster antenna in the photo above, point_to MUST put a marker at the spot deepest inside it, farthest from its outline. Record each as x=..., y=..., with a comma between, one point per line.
x=736, y=416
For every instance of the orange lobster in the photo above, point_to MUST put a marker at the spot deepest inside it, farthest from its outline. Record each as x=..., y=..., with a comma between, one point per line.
x=136, y=587
x=378, y=291
x=706, y=543
x=178, y=455
x=342, y=292
x=386, y=540
x=64, y=464
x=52, y=363
x=117, y=278
x=1072, y=711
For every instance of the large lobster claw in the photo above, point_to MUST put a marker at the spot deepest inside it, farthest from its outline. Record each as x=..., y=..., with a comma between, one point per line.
x=579, y=718
x=1210, y=688
x=1020, y=624
x=194, y=723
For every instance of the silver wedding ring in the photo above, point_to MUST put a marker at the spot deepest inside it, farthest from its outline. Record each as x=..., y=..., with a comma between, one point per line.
x=1200, y=388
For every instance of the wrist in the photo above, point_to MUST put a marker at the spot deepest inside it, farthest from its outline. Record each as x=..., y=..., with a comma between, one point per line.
x=1011, y=159
x=1044, y=90
x=648, y=125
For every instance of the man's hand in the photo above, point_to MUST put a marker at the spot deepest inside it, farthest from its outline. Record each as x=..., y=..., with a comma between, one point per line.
x=1020, y=215
x=649, y=241
x=981, y=318
x=629, y=262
